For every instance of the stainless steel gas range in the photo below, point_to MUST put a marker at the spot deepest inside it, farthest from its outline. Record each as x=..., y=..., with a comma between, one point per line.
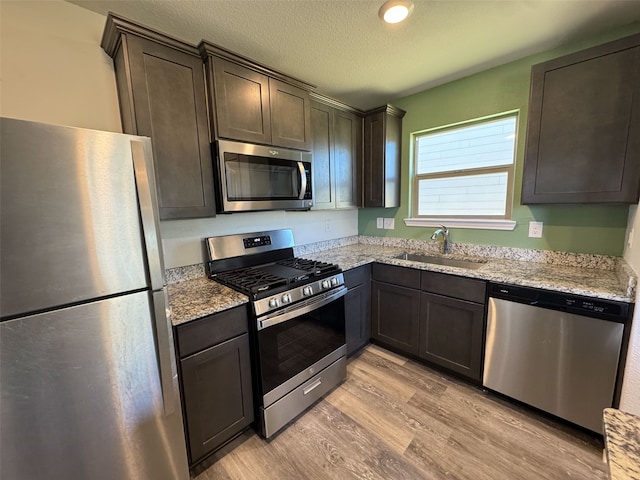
x=298, y=332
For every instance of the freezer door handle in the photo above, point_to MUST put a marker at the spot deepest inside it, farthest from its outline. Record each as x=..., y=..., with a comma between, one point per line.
x=165, y=350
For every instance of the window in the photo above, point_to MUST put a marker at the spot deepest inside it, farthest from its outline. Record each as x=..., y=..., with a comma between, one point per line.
x=465, y=171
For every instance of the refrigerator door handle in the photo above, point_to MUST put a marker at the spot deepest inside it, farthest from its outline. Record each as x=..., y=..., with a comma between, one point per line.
x=147, y=200
x=165, y=350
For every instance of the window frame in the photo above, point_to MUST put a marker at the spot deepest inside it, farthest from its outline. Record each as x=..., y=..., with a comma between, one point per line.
x=509, y=169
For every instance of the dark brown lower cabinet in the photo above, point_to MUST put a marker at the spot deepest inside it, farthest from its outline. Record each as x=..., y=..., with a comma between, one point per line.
x=216, y=381
x=451, y=334
x=437, y=317
x=395, y=316
x=357, y=306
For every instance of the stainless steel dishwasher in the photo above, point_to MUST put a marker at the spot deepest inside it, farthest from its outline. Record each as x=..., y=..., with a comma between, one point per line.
x=555, y=351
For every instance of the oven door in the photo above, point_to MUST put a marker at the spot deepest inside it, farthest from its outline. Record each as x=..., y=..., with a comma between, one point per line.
x=255, y=177
x=295, y=343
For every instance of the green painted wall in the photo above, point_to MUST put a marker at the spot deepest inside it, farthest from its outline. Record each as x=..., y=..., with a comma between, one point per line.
x=596, y=229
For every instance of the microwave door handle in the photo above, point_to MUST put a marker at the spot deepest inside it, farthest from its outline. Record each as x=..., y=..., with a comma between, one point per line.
x=303, y=180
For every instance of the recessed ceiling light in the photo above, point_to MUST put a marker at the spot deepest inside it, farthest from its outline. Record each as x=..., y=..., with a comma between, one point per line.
x=395, y=11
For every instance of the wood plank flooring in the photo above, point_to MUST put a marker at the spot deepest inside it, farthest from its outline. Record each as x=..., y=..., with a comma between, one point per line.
x=396, y=419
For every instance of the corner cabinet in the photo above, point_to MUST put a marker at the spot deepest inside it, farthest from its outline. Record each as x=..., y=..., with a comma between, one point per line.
x=336, y=132
x=253, y=104
x=161, y=91
x=215, y=379
x=583, y=133
x=382, y=155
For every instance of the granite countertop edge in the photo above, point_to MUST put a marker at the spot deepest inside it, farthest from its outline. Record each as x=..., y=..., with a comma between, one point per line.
x=199, y=297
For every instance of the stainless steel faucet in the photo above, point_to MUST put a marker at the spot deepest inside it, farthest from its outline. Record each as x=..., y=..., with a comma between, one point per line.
x=445, y=234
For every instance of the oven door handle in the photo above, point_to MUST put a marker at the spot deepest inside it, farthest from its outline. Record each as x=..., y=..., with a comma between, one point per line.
x=303, y=181
x=296, y=312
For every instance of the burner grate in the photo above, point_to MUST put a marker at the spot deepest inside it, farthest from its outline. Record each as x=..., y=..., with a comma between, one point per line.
x=312, y=267
x=257, y=280
x=252, y=280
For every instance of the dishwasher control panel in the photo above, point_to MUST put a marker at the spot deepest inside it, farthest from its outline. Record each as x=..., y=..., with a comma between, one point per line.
x=606, y=309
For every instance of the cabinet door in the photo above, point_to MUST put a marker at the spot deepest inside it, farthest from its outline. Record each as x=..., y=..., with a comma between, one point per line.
x=347, y=154
x=241, y=102
x=395, y=316
x=290, y=115
x=357, y=307
x=584, y=127
x=451, y=334
x=374, y=127
x=169, y=105
x=217, y=392
x=322, y=149
x=382, y=140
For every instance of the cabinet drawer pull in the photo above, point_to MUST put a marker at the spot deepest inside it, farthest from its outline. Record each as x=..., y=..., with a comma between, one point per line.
x=313, y=386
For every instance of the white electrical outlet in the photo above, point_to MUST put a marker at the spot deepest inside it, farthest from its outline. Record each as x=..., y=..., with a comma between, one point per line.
x=379, y=222
x=389, y=223
x=327, y=226
x=535, y=229
x=630, y=239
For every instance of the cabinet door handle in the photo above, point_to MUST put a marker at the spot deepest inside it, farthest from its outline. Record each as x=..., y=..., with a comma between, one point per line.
x=311, y=387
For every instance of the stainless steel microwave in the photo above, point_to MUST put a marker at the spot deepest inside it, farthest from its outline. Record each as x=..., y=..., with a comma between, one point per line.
x=257, y=177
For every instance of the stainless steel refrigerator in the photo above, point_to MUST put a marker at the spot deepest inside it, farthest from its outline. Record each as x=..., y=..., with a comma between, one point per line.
x=87, y=369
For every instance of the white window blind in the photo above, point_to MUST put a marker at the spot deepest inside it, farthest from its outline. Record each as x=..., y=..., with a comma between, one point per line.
x=465, y=171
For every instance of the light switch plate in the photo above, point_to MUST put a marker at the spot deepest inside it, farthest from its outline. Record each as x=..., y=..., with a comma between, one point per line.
x=535, y=229
x=379, y=222
x=389, y=223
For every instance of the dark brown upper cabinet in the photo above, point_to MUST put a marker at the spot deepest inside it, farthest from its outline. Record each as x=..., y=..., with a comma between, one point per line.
x=337, y=154
x=382, y=141
x=252, y=103
x=583, y=133
x=162, y=95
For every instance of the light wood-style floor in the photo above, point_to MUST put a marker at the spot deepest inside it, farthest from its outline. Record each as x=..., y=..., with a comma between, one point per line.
x=396, y=419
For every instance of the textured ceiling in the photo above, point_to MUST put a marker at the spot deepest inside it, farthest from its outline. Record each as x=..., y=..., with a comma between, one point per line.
x=342, y=47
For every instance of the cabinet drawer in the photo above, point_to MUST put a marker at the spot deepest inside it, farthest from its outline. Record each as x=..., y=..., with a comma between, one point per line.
x=453, y=286
x=211, y=330
x=401, y=276
x=357, y=276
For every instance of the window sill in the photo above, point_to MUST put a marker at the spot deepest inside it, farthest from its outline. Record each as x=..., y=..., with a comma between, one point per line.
x=476, y=223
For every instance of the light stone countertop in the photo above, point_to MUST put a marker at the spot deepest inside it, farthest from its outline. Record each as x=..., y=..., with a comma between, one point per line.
x=622, y=442
x=590, y=282
x=197, y=297
x=200, y=297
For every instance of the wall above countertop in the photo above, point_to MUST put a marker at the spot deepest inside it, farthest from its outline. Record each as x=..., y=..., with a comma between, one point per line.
x=182, y=239
x=597, y=229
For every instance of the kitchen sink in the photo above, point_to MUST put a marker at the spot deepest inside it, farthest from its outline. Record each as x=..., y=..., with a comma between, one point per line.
x=446, y=261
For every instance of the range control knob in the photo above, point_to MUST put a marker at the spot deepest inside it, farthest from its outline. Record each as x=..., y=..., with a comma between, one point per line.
x=286, y=298
x=306, y=291
x=273, y=302
x=326, y=284
x=334, y=281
